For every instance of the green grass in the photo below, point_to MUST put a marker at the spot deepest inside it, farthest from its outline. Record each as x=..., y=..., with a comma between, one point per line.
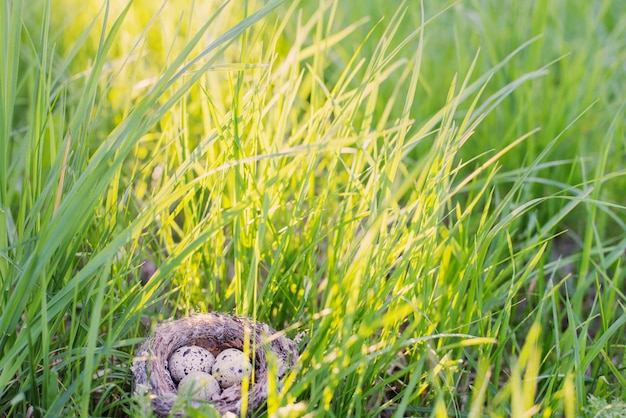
x=431, y=198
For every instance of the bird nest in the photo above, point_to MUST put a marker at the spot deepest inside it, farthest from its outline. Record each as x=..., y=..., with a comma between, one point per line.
x=215, y=332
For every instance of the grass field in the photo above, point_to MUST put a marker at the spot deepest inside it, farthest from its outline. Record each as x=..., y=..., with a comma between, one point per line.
x=430, y=195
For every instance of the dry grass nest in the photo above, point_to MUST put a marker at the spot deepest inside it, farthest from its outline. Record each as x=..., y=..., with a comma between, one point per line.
x=215, y=332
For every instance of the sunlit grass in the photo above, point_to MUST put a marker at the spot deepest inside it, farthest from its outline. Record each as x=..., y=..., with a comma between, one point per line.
x=432, y=199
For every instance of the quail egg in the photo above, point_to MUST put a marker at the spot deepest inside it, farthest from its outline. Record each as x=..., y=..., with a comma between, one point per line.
x=189, y=359
x=231, y=365
x=199, y=385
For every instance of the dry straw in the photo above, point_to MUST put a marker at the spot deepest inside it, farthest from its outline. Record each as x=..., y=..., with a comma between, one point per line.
x=215, y=332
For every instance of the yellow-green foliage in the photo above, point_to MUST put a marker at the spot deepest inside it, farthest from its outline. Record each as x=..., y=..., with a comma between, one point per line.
x=429, y=194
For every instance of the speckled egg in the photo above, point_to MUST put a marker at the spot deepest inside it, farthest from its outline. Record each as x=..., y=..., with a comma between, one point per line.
x=189, y=359
x=199, y=385
x=231, y=365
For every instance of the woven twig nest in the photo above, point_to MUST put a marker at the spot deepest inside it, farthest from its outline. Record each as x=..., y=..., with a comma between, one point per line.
x=215, y=332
